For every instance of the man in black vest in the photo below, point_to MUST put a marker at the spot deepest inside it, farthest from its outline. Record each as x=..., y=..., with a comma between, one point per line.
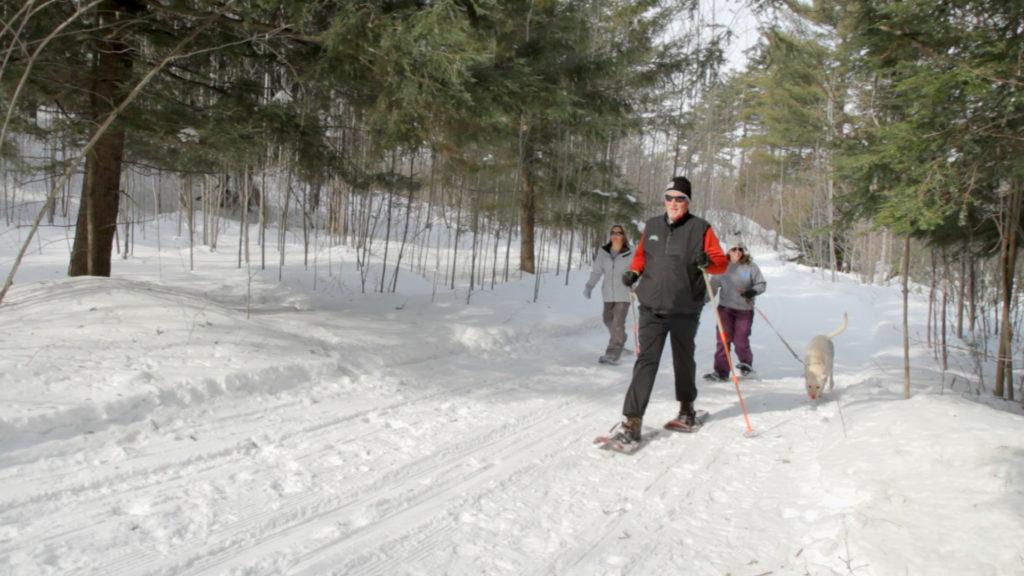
x=674, y=251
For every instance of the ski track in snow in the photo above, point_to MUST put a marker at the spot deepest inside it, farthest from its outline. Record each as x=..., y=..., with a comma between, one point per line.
x=403, y=511
x=407, y=505
x=438, y=444
x=425, y=482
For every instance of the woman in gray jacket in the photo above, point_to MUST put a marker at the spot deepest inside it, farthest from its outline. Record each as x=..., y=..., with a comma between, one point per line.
x=611, y=261
x=740, y=284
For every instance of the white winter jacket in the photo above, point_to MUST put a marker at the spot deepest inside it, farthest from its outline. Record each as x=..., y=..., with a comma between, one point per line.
x=612, y=268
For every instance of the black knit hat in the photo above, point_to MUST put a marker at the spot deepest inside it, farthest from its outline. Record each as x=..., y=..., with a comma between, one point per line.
x=680, y=184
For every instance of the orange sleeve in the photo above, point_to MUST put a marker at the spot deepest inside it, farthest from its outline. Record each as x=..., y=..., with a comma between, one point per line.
x=639, y=259
x=719, y=261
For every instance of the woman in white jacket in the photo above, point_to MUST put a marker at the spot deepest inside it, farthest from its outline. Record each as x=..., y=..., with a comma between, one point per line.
x=611, y=261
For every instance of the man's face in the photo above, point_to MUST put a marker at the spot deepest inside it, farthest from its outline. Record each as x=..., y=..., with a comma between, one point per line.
x=676, y=204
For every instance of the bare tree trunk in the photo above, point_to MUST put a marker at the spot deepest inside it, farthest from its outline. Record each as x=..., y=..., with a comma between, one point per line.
x=494, y=259
x=906, y=325
x=367, y=235
x=190, y=201
x=481, y=274
x=830, y=184
x=430, y=215
x=945, y=305
x=558, y=253
x=52, y=178
x=929, y=324
x=961, y=291
x=572, y=241
x=247, y=200
x=536, y=275
x=304, y=211
x=458, y=233
x=282, y=234
x=387, y=236
x=972, y=297
x=887, y=242
x=405, y=230
x=127, y=211
x=782, y=186
x=8, y=202
x=476, y=242
x=263, y=217
x=508, y=251
x=527, y=217
x=211, y=191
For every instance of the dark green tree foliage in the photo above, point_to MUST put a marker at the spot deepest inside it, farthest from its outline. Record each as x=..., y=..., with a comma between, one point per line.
x=942, y=112
x=788, y=96
x=789, y=135
x=258, y=76
x=563, y=75
x=531, y=84
x=408, y=66
x=938, y=153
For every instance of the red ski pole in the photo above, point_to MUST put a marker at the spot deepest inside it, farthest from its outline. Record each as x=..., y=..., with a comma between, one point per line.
x=728, y=357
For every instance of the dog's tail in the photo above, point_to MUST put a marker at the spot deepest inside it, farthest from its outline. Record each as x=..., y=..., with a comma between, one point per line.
x=839, y=330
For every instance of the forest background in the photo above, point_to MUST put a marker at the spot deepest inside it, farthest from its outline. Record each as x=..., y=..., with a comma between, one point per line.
x=878, y=138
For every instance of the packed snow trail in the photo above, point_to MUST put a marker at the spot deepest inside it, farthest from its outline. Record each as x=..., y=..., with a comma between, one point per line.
x=322, y=486
x=171, y=436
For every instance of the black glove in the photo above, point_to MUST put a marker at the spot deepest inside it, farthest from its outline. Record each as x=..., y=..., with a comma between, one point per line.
x=629, y=277
x=749, y=293
x=703, y=261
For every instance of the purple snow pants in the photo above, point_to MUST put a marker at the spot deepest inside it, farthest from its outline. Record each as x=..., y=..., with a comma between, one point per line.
x=737, y=325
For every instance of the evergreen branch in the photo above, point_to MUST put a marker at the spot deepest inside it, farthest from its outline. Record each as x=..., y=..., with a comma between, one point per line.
x=234, y=20
x=222, y=90
x=935, y=55
x=16, y=34
x=28, y=69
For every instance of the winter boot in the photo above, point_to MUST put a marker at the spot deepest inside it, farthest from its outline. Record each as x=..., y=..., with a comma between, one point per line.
x=687, y=415
x=715, y=377
x=744, y=368
x=629, y=431
x=606, y=359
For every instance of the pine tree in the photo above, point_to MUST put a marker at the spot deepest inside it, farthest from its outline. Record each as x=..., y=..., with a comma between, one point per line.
x=933, y=154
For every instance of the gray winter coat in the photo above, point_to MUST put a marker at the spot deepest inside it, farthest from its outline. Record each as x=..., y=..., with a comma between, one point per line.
x=612, y=268
x=736, y=280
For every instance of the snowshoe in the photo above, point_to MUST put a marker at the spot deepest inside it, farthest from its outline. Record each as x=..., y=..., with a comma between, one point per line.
x=627, y=439
x=688, y=420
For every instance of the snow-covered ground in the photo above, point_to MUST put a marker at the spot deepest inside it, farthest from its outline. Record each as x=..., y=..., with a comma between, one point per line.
x=147, y=426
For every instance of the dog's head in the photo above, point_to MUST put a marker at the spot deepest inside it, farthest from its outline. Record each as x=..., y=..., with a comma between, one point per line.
x=814, y=382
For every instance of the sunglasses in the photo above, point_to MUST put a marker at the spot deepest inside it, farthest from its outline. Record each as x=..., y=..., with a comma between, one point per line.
x=618, y=233
x=735, y=249
x=680, y=198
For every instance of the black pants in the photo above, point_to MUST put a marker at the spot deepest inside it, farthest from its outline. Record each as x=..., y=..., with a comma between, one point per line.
x=653, y=330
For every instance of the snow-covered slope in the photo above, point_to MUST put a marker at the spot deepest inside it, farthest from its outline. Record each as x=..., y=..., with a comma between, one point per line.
x=149, y=427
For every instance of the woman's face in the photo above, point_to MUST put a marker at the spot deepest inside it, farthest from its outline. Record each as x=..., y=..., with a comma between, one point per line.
x=735, y=254
x=618, y=236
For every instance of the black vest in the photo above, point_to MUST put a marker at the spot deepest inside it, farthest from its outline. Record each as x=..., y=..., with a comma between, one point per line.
x=671, y=282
